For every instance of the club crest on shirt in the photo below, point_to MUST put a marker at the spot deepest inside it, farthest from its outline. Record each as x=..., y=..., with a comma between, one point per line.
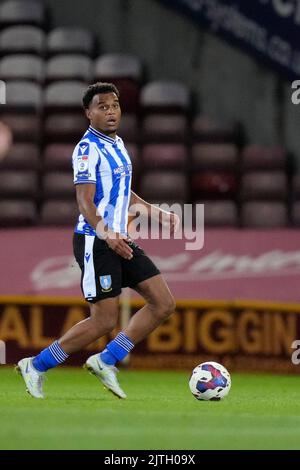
x=106, y=282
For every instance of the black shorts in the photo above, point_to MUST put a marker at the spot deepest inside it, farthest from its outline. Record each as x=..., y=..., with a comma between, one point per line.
x=104, y=272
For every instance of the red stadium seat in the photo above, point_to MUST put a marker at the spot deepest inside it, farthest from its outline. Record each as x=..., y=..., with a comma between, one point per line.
x=165, y=97
x=59, y=212
x=171, y=185
x=133, y=152
x=19, y=184
x=58, y=185
x=215, y=156
x=22, y=67
x=264, y=215
x=296, y=186
x=58, y=157
x=22, y=156
x=128, y=129
x=295, y=213
x=17, y=213
x=165, y=128
x=256, y=157
x=125, y=71
x=159, y=156
x=207, y=129
x=220, y=214
x=65, y=127
x=264, y=185
x=22, y=39
x=25, y=127
x=70, y=40
x=208, y=184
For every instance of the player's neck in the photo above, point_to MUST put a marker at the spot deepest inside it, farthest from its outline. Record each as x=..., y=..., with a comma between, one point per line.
x=112, y=135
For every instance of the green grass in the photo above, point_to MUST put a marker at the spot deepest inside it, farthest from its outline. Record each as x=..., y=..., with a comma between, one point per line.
x=261, y=412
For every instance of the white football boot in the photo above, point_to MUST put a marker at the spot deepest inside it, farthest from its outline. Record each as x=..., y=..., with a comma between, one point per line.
x=105, y=373
x=32, y=378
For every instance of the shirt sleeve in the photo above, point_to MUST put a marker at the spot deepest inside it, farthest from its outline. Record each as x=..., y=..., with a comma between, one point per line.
x=85, y=160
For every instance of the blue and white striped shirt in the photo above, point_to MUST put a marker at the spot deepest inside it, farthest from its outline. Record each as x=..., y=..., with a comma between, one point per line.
x=105, y=162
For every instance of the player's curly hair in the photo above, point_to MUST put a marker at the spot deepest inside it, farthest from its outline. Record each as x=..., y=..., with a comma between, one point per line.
x=96, y=89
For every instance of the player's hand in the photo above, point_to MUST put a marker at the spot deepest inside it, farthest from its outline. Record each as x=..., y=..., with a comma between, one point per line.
x=169, y=219
x=119, y=244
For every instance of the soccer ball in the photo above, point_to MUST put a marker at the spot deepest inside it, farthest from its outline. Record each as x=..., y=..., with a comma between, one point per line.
x=210, y=381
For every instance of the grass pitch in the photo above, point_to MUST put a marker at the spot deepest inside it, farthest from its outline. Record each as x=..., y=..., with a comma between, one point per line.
x=261, y=412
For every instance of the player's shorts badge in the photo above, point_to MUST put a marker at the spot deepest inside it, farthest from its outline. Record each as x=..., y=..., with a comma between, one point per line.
x=105, y=282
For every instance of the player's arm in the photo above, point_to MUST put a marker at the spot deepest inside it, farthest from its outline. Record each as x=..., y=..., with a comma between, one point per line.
x=85, y=194
x=150, y=210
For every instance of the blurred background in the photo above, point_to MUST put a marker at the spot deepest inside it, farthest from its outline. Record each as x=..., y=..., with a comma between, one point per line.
x=208, y=117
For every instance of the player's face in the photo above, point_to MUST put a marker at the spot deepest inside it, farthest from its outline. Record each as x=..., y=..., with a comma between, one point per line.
x=105, y=113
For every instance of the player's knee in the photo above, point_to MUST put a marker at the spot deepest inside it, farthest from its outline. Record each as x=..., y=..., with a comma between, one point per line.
x=110, y=324
x=170, y=306
x=166, y=307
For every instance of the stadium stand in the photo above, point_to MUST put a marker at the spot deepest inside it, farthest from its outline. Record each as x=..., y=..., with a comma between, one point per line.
x=191, y=157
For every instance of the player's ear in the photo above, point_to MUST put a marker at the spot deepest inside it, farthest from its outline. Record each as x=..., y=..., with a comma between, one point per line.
x=88, y=113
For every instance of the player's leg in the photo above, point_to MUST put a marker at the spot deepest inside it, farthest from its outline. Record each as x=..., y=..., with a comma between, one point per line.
x=160, y=304
x=103, y=318
x=141, y=274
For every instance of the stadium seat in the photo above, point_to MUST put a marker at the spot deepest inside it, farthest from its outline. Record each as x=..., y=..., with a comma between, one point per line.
x=128, y=128
x=220, y=213
x=19, y=184
x=165, y=128
x=164, y=185
x=295, y=213
x=65, y=127
x=25, y=127
x=264, y=185
x=207, y=129
x=17, y=213
x=59, y=212
x=214, y=185
x=118, y=66
x=22, y=39
x=23, y=96
x=296, y=186
x=159, y=156
x=58, y=185
x=58, y=157
x=70, y=40
x=256, y=157
x=214, y=156
x=165, y=96
x=22, y=156
x=133, y=152
x=30, y=12
x=69, y=67
x=264, y=215
x=22, y=67
x=64, y=96
x=125, y=71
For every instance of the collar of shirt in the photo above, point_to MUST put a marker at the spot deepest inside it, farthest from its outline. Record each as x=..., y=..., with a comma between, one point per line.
x=103, y=136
